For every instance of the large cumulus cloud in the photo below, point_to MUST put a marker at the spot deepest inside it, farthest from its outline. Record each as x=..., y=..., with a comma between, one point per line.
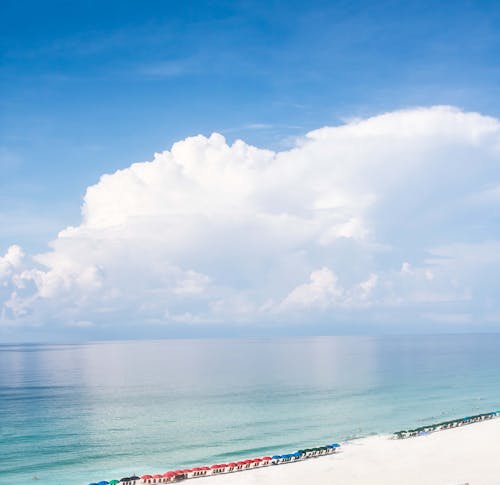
x=394, y=212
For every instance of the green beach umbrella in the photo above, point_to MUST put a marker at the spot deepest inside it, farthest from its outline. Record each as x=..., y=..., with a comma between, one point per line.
x=114, y=482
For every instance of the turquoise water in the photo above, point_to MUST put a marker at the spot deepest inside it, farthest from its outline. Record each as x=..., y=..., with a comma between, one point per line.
x=72, y=414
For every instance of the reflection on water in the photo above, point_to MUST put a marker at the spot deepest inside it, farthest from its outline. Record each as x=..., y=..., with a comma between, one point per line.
x=105, y=410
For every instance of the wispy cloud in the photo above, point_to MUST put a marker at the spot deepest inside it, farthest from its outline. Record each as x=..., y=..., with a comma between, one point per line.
x=166, y=69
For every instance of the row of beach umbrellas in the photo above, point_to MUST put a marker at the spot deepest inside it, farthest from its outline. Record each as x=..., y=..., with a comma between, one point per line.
x=445, y=424
x=116, y=482
x=171, y=474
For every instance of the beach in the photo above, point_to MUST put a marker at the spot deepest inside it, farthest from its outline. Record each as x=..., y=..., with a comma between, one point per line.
x=277, y=396
x=458, y=456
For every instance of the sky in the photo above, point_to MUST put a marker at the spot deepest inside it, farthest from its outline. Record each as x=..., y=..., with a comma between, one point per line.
x=248, y=168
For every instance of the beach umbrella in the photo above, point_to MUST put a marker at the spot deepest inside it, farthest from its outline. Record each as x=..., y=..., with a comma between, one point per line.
x=157, y=476
x=267, y=458
x=114, y=482
x=146, y=477
x=134, y=477
x=103, y=482
x=276, y=457
x=93, y=483
x=232, y=464
x=335, y=445
x=126, y=479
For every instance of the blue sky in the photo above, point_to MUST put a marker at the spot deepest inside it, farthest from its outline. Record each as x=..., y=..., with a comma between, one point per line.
x=88, y=87
x=91, y=87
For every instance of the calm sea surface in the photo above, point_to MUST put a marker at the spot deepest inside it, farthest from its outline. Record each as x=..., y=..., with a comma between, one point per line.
x=72, y=414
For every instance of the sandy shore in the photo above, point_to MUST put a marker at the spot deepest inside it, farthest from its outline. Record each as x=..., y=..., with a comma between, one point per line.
x=465, y=455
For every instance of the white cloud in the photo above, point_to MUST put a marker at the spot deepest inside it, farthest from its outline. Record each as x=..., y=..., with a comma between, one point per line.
x=375, y=212
x=322, y=290
x=193, y=284
x=406, y=268
x=366, y=287
x=11, y=261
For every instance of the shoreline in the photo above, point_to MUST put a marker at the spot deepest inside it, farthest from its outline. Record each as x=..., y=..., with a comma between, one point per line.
x=454, y=456
x=232, y=471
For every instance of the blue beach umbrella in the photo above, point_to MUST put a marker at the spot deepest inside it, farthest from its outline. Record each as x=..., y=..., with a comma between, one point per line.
x=335, y=445
x=103, y=482
x=93, y=483
x=276, y=457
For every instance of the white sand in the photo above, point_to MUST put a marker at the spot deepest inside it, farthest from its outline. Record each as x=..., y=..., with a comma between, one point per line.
x=466, y=455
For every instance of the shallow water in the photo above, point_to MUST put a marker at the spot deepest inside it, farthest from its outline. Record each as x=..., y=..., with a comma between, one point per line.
x=80, y=413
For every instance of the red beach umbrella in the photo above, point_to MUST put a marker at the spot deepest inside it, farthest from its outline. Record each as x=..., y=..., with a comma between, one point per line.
x=146, y=477
x=168, y=474
x=231, y=464
x=267, y=458
x=157, y=476
x=256, y=460
x=242, y=463
x=213, y=467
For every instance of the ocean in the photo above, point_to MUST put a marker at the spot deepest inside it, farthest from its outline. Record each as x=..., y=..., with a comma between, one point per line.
x=74, y=414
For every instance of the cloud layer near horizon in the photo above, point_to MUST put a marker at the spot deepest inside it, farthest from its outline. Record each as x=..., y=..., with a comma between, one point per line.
x=396, y=214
